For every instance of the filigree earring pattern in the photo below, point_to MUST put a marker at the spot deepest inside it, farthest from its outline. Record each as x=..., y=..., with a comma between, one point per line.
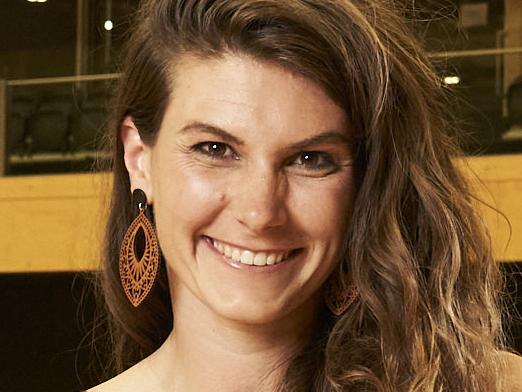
x=337, y=298
x=138, y=275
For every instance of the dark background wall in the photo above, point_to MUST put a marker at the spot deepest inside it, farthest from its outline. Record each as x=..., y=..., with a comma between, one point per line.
x=46, y=319
x=44, y=338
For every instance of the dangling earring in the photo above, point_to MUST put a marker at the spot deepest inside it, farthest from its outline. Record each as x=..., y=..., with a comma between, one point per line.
x=138, y=276
x=337, y=298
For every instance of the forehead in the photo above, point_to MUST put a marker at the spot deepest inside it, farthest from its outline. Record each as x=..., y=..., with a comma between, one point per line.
x=238, y=91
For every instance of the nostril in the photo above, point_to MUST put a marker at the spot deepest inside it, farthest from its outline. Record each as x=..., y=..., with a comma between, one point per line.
x=258, y=219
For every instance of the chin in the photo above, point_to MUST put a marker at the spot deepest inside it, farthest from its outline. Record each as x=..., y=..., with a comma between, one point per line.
x=261, y=312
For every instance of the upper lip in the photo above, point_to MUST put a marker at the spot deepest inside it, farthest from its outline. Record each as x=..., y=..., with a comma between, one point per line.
x=254, y=249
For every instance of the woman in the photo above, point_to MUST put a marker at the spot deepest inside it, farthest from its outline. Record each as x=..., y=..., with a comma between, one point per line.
x=315, y=233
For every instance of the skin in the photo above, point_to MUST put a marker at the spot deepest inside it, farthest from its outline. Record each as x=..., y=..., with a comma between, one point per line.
x=234, y=327
x=255, y=188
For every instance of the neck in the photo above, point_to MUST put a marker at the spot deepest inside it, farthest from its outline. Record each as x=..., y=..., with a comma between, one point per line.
x=207, y=352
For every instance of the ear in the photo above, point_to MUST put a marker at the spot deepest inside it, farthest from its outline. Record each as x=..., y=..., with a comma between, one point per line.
x=137, y=157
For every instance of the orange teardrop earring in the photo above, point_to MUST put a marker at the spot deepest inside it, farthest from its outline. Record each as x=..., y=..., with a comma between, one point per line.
x=138, y=275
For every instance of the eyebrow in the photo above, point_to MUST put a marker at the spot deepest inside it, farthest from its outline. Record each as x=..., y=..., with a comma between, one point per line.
x=335, y=137
x=212, y=129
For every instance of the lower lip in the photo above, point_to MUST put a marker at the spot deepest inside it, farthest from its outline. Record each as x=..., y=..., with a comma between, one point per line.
x=254, y=268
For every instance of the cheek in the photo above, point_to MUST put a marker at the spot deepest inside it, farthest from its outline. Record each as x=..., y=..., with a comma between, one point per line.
x=324, y=208
x=186, y=200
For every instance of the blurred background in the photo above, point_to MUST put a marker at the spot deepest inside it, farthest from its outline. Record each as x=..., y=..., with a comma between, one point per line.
x=58, y=63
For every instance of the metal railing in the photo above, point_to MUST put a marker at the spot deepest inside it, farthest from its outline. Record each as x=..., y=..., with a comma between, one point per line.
x=79, y=79
x=62, y=79
x=113, y=76
x=8, y=88
x=476, y=52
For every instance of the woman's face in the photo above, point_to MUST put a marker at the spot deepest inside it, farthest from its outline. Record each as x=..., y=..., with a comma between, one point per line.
x=252, y=183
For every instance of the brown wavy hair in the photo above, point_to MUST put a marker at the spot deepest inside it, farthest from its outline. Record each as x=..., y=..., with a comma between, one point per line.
x=427, y=317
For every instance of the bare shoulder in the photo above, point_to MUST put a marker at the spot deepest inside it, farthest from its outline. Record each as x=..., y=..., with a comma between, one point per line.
x=513, y=371
x=127, y=381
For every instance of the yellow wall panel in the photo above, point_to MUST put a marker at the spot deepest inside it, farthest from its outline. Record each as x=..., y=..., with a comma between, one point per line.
x=500, y=186
x=51, y=223
x=55, y=223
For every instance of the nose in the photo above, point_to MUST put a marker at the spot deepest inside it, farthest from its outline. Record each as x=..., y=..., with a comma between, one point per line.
x=259, y=201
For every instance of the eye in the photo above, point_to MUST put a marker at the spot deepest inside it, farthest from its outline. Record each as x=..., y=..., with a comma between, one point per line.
x=215, y=150
x=315, y=160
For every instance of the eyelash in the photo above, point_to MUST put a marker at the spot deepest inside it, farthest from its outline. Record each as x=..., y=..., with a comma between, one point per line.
x=327, y=162
x=204, y=149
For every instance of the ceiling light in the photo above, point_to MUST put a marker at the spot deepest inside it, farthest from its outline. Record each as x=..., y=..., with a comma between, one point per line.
x=108, y=25
x=451, y=80
x=37, y=1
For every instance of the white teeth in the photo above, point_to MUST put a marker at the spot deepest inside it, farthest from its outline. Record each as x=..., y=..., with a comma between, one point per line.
x=236, y=255
x=260, y=259
x=228, y=251
x=248, y=257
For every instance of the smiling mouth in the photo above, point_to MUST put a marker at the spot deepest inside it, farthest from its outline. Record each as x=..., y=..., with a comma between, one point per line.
x=249, y=257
